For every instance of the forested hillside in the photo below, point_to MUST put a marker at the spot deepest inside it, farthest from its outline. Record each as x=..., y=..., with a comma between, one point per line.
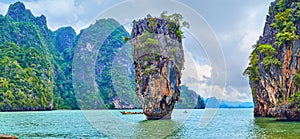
x=36, y=63
x=27, y=66
x=43, y=70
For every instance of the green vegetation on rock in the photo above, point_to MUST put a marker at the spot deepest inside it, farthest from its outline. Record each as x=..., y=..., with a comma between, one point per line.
x=112, y=61
x=36, y=63
x=273, y=68
x=64, y=41
x=284, y=22
x=26, y=76
x=189, y=99
x=269, y=59
x=270, y=54
x=252, y=69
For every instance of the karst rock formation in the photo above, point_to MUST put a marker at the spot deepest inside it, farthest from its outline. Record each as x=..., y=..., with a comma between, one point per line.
x=274, y=63
x=158, y=61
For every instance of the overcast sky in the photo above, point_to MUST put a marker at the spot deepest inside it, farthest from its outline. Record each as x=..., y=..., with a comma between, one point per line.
x=237, y=25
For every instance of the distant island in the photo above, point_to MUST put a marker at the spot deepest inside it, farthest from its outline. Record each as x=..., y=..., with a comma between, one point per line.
x=213, y=102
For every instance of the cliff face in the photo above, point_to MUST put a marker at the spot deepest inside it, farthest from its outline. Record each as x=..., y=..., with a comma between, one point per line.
x=64, y=41
x=158, y=61
x=26, y=69
x=36, y=64
x=103, y=61
x=274, y=66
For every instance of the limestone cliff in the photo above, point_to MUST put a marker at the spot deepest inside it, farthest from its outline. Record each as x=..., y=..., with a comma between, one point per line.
x=274, y=63
x=37, y=65
x=26, y=69
x=103, y=61
x=158, y=61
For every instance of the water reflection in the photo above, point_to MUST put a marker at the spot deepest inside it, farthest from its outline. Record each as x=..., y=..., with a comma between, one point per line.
x=156, y=129
x=269, y=128
x=116, y=125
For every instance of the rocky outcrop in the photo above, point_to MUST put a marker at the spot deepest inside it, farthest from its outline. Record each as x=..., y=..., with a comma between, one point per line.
x=275, y=63
x=5, y=136
x=158, y=61
x=64, y=38
x=18, y=12
x=103, y=61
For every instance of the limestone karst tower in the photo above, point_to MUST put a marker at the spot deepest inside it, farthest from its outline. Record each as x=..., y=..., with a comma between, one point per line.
x=158, y=60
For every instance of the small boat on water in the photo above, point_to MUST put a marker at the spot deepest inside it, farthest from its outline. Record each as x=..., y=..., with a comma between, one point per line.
x=130, y=112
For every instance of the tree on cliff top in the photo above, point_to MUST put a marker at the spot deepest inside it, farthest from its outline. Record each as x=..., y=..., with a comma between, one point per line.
x=175, y=24
x=175, y=18
x=178, y=20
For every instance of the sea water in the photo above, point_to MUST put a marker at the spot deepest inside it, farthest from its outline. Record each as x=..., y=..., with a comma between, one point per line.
x=222, y=123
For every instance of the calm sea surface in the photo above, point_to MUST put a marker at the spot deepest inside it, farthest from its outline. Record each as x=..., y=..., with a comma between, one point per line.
x=226, y=123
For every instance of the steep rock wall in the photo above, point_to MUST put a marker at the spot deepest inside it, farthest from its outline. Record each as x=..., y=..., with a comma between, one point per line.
x=158, y=61
x=275, y=62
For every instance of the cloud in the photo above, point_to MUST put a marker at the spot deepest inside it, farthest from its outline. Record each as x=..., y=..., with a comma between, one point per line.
x=3, y=8
x=237, y=41
x=249, y=30
x=237, y=25
x=197, y=71
x=197, y=76
x=245, y=32
x=233, y=94
x=196, y=68
x=58, y=12
x=229, y=93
